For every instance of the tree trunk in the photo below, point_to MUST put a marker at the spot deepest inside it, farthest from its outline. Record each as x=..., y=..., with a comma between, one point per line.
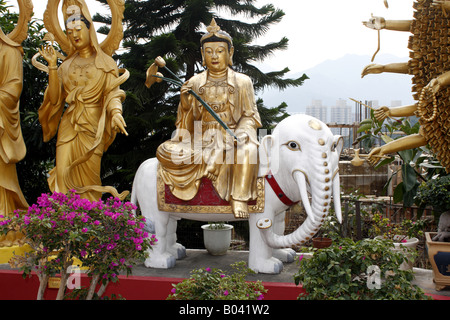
x=43, y=280
x=92, y=287
x=102, y=289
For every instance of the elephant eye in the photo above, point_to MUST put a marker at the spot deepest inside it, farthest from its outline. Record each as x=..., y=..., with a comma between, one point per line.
x=294, y=146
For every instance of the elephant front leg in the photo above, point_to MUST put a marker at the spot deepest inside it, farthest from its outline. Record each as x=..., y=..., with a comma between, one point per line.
x=159, y=257
x=261, y=258
x=173, y=247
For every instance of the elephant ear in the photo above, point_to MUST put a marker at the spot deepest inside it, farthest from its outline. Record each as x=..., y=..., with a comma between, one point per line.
x=268, y=155
x=338, y=143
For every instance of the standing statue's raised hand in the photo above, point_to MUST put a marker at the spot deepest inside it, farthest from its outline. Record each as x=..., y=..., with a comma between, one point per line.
x=49, y=54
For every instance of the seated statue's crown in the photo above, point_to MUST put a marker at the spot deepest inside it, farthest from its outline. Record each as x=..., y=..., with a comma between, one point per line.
x=216, y=34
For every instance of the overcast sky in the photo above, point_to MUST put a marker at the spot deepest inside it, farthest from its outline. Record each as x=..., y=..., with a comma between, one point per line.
x=319, y=30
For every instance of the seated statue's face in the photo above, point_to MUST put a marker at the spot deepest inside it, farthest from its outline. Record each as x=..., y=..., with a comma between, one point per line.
x=216, y=56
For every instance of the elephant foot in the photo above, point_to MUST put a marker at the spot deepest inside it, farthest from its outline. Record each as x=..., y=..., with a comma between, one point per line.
x=160, y=261
x=286, y=255
x=178, y=251
x=269, y=266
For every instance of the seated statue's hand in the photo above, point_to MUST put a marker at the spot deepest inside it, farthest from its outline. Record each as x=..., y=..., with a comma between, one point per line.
x=118, y=123
x=382, y=113
x=376, y=23
x=375, y=155
x=49, y=54
x=242, y=138
x=372, y=69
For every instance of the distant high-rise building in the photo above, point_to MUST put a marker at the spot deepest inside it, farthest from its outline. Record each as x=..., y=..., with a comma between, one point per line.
x=317, y=110
x=341, y=113
x=396, y=103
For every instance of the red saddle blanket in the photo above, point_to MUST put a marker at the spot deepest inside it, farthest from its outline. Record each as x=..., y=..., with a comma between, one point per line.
x=207, y=199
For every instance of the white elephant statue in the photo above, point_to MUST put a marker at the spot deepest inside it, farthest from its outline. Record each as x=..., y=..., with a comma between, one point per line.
x=300, y=158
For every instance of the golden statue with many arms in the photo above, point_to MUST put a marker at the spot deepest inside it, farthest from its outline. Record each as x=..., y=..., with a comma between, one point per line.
x=430, y=67
x=88, y=82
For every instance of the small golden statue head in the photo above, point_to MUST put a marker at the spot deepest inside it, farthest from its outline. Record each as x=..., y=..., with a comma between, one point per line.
x=215, y=34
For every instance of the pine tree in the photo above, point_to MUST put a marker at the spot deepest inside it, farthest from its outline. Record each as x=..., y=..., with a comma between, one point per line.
x=172, y=29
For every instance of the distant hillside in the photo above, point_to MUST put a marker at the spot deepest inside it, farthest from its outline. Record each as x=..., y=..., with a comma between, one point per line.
x=341, y=79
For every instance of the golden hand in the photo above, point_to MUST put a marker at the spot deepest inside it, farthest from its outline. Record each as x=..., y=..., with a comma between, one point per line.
x=242, y=138
x=118, y=123
x=434, y=85
x=376, y=23
x=375, y=155
x=49, y=54
x=382, y=113
x=372, y=69
x=445, y=4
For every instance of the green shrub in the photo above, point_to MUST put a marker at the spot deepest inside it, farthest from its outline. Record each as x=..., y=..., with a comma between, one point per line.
x=363, y=270
x=435, y=193
x=214, y=284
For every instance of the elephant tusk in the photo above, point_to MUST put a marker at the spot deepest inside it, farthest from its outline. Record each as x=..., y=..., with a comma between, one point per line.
x=301, y=171
x=301, y=179
x=337, y=196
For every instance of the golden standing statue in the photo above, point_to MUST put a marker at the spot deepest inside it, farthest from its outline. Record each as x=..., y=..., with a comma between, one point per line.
x=430, y=67
x=231, y=165
x=12, y=145
x=88, y=82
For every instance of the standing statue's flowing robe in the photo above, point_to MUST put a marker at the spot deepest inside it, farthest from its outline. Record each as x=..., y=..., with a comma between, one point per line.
x=183, y=171
x=84, y=131
x=12, y=145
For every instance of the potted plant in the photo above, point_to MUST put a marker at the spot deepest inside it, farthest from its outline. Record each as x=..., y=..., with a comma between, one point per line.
x=321, y=242
x=362, y=270
x=328, y=232
x=403, y=235
x=217, y=237
x=435, y=193
x=214, y=284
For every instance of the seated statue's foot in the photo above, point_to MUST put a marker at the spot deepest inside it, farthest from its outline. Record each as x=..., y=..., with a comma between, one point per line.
x=240, y=209
x=211, y=176
x=211, y=173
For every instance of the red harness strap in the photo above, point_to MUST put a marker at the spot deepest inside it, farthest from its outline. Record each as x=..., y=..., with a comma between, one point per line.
x=276, y=188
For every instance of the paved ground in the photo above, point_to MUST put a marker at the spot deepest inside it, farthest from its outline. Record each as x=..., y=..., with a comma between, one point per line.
x=200, y=258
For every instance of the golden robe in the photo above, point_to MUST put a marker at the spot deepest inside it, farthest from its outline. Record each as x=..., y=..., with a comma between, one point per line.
x=12, y=145
x=184, y=158
x=85, y=130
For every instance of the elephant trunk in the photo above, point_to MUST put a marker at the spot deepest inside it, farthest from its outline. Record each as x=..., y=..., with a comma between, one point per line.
x=317, y=210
